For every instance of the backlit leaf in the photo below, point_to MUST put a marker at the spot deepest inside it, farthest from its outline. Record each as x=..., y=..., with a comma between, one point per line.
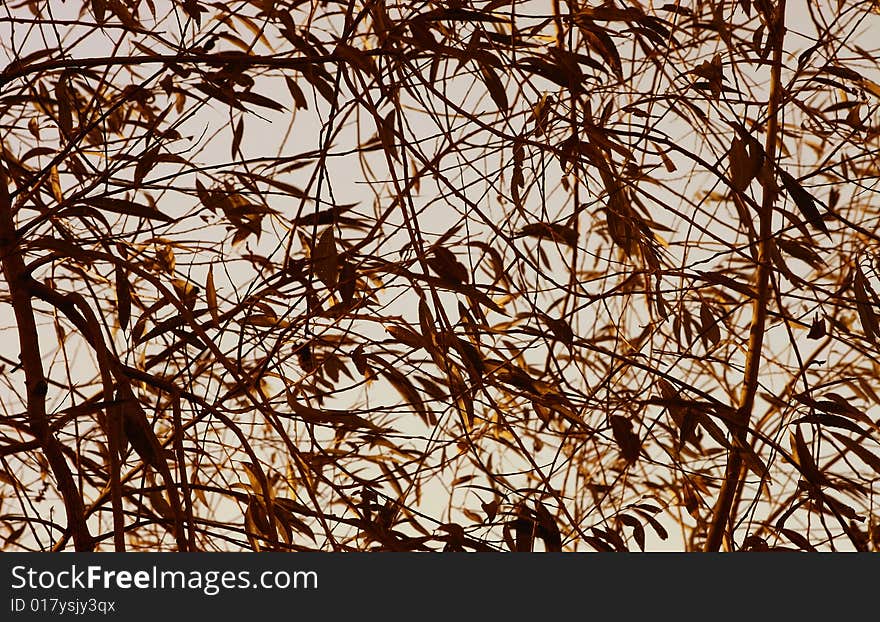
x=128, y=208
x=325, y=258
x=804, y=201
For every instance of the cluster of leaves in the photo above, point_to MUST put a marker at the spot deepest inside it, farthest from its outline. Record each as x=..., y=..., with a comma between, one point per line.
x=443, y=275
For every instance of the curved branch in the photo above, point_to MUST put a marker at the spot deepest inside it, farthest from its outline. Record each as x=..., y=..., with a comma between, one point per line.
x=15, y=273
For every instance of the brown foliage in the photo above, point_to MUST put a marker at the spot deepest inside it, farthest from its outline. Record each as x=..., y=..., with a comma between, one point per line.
x=450, y=276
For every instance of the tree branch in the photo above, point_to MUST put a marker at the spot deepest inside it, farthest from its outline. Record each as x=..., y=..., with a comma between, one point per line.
x=15, y=273
x=733, y=473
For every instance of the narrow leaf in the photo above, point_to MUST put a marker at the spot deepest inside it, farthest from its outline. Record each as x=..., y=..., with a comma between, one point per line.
x=804, y=201
x=637, y=527
x=128, y=208
x=211, y=295
x=803, y=457
x=496, y=88
x=299, y=98
x=741, y=170
x=709, y=324
x=123, y=297
x=326, y=258
x=237, y=135
x=868, y=457
x=137, y=429
x=864, y=306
